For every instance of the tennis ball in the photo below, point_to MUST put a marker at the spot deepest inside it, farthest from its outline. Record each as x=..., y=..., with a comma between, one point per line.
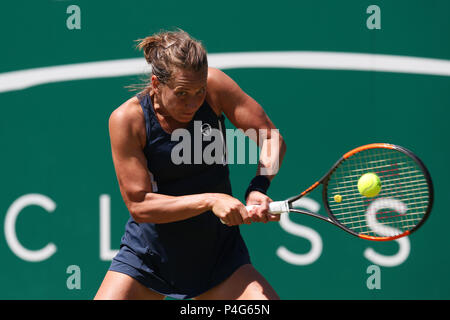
x=369, y=185
x=338, y=198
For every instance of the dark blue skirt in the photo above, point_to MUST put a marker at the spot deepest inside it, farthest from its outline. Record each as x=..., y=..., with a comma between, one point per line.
x=182, y=259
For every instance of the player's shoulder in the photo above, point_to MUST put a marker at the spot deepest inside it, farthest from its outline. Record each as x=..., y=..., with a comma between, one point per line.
x=215, y=78
x=128, y=112
x=129, y=116
x=221, y=83
x=217, y=88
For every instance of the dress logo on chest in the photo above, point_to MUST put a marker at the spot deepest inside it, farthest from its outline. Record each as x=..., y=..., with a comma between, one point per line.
x=192, y=149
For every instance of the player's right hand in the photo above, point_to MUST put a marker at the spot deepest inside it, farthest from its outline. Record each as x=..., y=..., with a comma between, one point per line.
x=230, y=210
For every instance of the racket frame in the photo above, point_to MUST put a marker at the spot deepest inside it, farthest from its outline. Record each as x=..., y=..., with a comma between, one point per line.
x=324, y=182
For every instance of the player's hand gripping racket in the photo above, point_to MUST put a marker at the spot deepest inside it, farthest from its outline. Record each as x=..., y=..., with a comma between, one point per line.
x=398, y=208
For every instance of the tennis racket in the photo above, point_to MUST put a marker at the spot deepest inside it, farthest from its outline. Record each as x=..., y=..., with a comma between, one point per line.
x=401, y=206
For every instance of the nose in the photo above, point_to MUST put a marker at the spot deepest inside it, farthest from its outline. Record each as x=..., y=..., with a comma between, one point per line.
x=194, y=103
x=191, y=106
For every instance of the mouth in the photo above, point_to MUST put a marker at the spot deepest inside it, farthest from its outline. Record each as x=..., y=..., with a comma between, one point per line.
x=186, y=117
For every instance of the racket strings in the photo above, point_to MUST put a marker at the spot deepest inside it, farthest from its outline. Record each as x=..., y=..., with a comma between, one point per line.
x=401, y=203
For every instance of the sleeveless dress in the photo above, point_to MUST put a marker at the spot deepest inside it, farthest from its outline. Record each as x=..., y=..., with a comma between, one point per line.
x=183, y=259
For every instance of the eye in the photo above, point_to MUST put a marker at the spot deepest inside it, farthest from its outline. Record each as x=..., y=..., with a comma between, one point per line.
x=201, y=91
x=180, y=93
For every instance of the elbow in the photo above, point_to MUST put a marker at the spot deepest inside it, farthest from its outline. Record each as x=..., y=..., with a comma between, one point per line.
x=141, y=212
x=138, y=218
x=137, y=213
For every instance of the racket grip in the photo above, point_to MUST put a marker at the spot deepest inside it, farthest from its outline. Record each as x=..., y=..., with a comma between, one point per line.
x=275, y=207
x=278, y=207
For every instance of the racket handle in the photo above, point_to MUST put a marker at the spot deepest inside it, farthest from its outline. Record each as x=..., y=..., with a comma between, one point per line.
x=275, y=207
x=278, y=207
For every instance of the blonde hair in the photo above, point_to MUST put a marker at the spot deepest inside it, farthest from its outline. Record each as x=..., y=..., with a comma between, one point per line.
x=168, y=50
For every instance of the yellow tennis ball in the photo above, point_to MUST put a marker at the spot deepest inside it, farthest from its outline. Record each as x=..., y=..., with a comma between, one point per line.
x=338, y=198
x=369, y=185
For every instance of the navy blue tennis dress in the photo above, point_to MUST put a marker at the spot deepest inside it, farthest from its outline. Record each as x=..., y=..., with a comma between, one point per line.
x=183, y=259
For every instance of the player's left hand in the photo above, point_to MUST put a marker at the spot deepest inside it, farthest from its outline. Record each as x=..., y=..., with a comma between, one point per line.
x=260, y=213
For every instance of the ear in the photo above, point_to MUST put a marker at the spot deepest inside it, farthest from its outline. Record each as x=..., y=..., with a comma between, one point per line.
x=155, y=84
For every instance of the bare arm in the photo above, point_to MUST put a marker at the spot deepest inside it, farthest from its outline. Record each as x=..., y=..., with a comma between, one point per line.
x=245, y=113
x=134, y=181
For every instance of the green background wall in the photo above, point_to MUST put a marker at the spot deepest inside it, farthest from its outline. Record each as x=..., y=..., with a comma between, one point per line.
x=54, y=139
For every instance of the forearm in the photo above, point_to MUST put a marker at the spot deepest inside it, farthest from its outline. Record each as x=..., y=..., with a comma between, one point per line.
x=272, y=153
x=159, y=208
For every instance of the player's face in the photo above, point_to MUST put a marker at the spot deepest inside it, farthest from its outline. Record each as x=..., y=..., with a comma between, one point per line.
x=184, y=94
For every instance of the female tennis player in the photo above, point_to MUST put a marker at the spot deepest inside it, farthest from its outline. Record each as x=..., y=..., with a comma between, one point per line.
x=175, y=244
